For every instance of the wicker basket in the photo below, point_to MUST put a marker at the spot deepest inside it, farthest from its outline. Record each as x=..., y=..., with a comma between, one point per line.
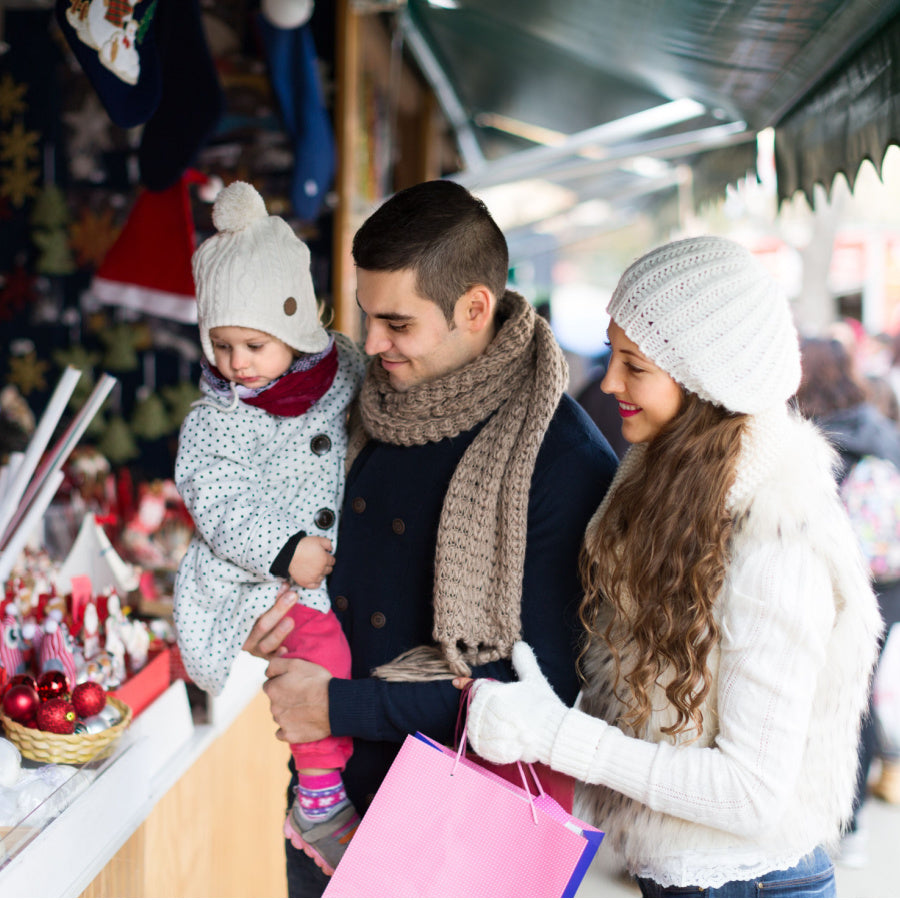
x=48, y=747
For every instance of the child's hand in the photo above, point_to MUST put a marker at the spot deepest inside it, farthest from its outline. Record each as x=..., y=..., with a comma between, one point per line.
x=312, y=562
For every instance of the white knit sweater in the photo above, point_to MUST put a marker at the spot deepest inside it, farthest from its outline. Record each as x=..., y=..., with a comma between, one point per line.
x=774, y=772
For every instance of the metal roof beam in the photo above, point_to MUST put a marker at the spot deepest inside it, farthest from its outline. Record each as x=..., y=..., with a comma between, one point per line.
x=469, y=149
x=537, y=159
x=570, y=167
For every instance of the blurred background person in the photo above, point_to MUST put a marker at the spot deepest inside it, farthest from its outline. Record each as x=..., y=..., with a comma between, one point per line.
x=603, y=408
x=883, y=397
x=834, y=395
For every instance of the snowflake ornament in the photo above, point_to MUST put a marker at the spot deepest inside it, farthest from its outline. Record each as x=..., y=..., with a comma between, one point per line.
x=18, y=144
x=27, y=373
x=12, y=98
x=18, y=183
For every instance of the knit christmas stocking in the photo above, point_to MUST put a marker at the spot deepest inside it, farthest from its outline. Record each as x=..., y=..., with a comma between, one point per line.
x=291, y=57
x=192, y=98
x=114, y=42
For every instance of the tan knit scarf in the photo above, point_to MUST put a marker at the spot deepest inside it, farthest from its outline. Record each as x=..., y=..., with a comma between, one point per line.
x=516, y=385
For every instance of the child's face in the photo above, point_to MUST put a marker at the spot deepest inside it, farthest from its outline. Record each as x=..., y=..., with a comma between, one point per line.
x=649, y=398
x=249, y=357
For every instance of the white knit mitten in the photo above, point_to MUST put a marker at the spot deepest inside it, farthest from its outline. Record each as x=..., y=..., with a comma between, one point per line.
x=517, y=720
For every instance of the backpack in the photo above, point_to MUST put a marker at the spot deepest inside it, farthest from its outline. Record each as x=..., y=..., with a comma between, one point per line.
x=871, y=495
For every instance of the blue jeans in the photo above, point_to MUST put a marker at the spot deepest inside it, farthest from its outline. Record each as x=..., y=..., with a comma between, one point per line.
x=813, y=876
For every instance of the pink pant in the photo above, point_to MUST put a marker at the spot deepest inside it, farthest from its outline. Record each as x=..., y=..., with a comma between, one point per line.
x=319, y=638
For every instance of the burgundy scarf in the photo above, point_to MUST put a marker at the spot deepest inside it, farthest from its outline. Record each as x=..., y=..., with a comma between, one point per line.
x=290, y=395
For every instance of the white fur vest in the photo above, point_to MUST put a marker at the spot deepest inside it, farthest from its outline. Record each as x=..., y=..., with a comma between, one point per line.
x=773, y=774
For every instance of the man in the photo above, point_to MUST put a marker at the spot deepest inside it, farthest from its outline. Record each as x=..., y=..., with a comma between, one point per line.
x=473, y=477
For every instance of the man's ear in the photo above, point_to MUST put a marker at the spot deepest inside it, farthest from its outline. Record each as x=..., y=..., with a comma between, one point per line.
x=475, y=309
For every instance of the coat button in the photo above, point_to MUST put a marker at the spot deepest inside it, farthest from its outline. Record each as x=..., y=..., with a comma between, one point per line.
x=324, y=519
x=341, y=602
x=359, y=505
x=320, y=444
x=378, y=620
x=398, y=526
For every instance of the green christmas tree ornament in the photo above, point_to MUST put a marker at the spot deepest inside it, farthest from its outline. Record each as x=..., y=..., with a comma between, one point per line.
x=150, y=420
x=55, y=256
x=117, y=443
x=179, y=398
x=50, y=211
x=120, y=341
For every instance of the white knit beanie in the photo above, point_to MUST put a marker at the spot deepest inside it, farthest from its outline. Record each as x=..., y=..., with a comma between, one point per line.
x=706, y=311
x=254, y=273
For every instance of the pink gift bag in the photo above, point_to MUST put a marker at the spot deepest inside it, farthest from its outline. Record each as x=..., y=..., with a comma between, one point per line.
x=443, y=826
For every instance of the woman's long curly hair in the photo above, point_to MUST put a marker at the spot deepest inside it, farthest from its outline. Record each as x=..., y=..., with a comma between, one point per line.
x=659, y=556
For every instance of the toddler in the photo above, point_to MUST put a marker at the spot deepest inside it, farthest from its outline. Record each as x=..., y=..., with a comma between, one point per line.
x=260, y=466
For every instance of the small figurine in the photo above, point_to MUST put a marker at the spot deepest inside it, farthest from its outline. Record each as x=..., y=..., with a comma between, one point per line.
x=12, y=643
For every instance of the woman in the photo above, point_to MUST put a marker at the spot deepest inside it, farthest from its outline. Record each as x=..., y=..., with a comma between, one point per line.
x=730, y=626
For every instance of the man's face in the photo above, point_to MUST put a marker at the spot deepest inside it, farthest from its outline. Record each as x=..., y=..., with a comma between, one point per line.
x=409, y=333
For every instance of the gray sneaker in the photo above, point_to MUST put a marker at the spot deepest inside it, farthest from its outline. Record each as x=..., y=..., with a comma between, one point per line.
x=324, y=841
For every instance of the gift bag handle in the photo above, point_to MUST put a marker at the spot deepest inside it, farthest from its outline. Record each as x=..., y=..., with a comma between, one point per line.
x=460, y=732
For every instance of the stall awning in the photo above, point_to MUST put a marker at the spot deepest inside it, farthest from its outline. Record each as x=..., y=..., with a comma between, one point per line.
x=853, y=115
x=586, y=91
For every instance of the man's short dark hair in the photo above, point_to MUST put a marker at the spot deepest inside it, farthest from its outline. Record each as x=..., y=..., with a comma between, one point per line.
x=442, y=233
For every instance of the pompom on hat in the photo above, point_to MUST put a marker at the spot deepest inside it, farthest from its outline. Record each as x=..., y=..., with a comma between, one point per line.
x=254, y=273
x=707, y=312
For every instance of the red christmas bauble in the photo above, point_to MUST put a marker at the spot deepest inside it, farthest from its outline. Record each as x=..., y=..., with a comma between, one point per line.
x=22, y=679
x=56, y=715
x=52, y=684
x=88, y=698
x=21, y=702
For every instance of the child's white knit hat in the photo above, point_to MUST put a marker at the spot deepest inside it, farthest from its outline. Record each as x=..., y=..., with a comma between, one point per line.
x=254, y=273
x=706, y=311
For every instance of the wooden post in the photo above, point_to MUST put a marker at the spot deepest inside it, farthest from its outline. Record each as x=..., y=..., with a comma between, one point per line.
x=346, y=315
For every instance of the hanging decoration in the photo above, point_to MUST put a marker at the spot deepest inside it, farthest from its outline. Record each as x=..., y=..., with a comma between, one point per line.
x=293, y=69
x=120, y=341
x=12, y=98
x=18, y=145
x=118, y=444
x=191, y=101
x=150, y=420
x=18, y=175
x=89, y=138
x=92, y=235
x=49, y=217
x=148, y=268
x=27, y=372
x=115, y=43
x=179, y=398
x=50, y=209
x=54, y=255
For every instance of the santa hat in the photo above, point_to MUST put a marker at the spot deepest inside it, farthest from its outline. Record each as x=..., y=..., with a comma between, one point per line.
x=148, y=268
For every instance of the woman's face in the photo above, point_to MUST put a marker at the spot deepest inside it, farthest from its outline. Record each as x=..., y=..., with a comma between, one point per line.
x=648, y=397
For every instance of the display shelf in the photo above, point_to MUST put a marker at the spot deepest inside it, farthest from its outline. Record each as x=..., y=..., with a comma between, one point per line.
x=64, y=856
